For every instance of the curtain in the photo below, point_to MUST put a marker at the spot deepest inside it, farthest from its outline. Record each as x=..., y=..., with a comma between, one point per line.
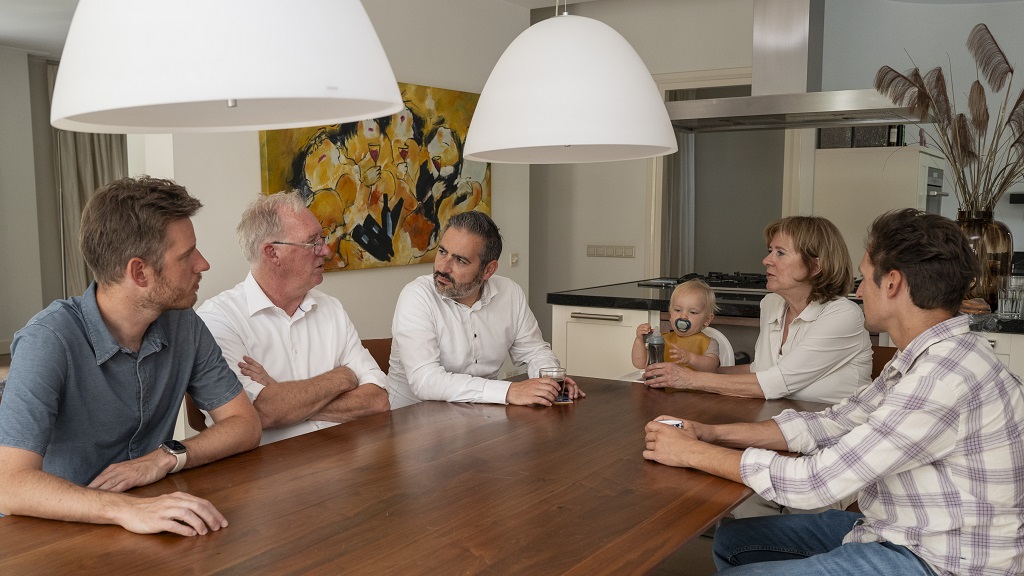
x=677, y=210
x=84, y=162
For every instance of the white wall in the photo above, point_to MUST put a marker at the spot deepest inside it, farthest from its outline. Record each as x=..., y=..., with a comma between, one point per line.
x=862, y=36
x=572, y=206
x=448, y=44
x=20, y=269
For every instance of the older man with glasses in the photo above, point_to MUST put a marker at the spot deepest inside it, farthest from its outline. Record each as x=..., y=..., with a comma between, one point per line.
x=294, y=348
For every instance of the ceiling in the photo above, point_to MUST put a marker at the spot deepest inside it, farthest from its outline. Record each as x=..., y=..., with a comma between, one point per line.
x=39, y=26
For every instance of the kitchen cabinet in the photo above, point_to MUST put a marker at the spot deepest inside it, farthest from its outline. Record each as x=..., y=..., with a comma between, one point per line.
x=1009, y=348
x=853, y=186
x=597, y=342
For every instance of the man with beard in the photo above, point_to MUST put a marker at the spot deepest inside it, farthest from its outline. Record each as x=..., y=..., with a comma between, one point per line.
x=96, y=381
x=294, y=348
x=933, y=447
x=453, y=329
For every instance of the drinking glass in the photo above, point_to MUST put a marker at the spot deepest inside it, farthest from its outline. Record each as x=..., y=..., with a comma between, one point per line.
x=1011, y=296
x=558, y=375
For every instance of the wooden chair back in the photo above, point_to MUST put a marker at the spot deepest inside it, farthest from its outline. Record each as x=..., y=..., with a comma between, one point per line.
x=880, y=356
x=380, y=349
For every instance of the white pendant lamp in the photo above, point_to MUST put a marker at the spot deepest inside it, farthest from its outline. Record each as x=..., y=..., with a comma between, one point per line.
x=568, y=90
x=164, y=66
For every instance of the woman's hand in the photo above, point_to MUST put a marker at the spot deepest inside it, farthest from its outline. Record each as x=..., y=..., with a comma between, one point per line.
x=668, y=375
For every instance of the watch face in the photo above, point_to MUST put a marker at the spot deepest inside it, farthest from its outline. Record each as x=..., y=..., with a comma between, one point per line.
x=174, y=447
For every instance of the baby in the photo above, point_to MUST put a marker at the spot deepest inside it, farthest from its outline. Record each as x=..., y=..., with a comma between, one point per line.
x=692, y=302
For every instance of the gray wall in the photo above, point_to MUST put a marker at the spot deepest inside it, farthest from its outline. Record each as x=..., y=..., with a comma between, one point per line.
x=738, y=184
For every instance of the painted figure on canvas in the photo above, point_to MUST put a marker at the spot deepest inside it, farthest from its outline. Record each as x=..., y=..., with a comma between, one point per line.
x=383, y=188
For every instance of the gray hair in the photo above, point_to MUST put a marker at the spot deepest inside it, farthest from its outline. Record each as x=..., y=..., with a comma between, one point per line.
x=261, y=221
x=481, y=225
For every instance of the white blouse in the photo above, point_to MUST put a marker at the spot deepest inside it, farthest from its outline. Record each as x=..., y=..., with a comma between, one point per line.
x=826, y=357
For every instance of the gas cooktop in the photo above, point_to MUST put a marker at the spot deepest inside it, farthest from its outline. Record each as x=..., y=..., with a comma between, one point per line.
x=749, y=282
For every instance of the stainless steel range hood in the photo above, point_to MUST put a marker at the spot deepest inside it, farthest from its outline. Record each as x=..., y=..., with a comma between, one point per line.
x=786, y=81
x=797, y=110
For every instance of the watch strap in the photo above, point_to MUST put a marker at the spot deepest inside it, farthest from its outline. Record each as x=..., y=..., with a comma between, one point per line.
x=179, y=464
x=179, y=455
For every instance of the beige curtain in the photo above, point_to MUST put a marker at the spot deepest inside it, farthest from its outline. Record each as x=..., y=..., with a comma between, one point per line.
x=84, y=163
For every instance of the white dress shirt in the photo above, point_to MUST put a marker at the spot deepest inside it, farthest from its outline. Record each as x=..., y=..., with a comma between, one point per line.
x=444, y=350
x=826, y=357
x=317, y=338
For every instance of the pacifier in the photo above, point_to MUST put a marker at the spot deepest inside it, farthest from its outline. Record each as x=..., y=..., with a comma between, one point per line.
x=682, y=324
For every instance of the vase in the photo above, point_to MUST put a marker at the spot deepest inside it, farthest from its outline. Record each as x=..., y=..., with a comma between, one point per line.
x=992, y=242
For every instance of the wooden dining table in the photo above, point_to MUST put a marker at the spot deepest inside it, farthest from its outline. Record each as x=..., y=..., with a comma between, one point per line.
x=433, y=488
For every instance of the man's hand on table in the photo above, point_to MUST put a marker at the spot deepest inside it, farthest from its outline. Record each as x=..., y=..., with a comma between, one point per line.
x=541, y=391
x=178, y=513
x=126, y=475
x=669, y=444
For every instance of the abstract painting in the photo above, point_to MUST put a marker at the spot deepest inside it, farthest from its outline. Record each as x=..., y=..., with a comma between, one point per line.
x=383, y=188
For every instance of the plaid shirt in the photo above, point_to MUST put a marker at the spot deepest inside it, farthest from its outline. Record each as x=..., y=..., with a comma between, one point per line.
x=934, y=449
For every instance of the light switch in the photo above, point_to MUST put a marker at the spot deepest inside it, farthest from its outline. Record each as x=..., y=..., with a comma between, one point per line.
x=602, y=251
x=591, y=250
x=619, y=251
x=513, y=259
x=630, y=251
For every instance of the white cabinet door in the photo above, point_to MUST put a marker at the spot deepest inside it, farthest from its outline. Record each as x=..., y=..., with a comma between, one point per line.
x=1002, y=345
x=596, y=342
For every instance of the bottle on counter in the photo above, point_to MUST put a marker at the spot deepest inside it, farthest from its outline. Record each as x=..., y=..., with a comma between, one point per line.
x=655, y=348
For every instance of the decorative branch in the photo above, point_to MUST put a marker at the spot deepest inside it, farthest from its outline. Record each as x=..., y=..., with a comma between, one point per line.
x=985, y=159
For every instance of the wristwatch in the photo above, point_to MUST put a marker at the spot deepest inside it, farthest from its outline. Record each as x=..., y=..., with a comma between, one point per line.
x=176, y=449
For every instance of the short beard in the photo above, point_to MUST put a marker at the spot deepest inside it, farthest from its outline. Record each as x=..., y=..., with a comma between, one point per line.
x=165, y=298
x=458, y=291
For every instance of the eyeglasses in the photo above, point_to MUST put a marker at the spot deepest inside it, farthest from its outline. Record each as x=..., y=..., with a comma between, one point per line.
x=316, y=245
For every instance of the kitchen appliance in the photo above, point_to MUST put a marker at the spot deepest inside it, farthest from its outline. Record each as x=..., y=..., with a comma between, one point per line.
x=933, y=204
x=786, y=81
x=853, y=186
x=736, y=293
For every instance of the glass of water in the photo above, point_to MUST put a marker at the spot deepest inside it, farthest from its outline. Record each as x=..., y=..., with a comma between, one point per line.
x=1011, y=296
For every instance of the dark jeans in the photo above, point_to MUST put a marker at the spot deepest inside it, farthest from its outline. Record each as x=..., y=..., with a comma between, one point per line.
x=808, y=545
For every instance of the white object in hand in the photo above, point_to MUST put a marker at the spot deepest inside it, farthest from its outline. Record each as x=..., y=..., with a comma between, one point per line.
x=676, y=423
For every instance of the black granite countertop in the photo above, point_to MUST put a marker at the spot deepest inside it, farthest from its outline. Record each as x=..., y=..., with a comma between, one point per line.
x=993, y=323
x=631, y=296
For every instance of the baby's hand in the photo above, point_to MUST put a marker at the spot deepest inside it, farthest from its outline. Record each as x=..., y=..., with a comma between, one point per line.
x=677, y=354
x=643, y=330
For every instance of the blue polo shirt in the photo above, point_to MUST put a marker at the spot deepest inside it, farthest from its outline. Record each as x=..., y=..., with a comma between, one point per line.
x=83, y=402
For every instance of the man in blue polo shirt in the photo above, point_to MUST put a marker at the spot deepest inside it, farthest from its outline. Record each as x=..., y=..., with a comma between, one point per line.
x=96, y=381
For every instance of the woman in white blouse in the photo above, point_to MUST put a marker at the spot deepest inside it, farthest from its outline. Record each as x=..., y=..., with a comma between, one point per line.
x=812, y=344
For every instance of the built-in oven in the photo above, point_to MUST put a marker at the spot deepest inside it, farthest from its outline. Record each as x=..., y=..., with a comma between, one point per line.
x=934, y=194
